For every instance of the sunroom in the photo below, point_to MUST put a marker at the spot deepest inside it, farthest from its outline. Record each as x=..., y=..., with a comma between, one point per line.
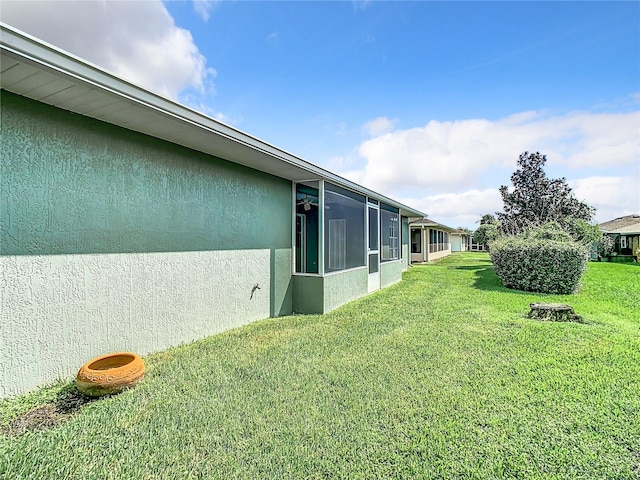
x=346, y=244
x=429, y=240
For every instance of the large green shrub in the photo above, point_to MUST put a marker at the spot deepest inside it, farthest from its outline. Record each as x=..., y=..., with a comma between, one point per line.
x=544, y=261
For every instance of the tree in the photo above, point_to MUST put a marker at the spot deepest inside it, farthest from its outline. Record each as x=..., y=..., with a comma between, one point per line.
x=536, y=200
x=488, y=219
x=487, y=231
x=582, y=231
x=485, y=234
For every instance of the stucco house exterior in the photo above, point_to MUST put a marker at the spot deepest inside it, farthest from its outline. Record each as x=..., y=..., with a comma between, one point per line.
x=460, y=240
x=131, y=222
x=429, y=240
x=625, y=232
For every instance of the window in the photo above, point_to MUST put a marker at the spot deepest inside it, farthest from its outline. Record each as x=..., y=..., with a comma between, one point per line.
x=337, y=251
x=438, y=240
x=307, y=232
x=389, y=232
x=373, y=263
x=373, y=228
x=344, y=223
x=416, y=241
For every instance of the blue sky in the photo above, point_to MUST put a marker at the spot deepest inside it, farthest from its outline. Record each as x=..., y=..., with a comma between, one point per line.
x=428, y=102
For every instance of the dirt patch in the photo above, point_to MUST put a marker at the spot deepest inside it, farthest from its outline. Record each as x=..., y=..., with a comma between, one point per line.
x=68, y=403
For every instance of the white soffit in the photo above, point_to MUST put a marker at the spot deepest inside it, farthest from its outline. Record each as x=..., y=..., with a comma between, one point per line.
x=42, y=72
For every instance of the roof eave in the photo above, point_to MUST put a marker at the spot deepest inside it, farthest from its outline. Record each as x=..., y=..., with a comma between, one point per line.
x=171, y=119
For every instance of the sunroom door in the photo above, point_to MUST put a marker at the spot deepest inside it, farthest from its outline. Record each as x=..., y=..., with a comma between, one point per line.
x=374, y=247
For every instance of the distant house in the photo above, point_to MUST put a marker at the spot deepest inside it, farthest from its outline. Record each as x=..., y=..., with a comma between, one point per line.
x=131, y=222
x=460, y=241
x=429, y=240
x=477, y=247
x=625, y=231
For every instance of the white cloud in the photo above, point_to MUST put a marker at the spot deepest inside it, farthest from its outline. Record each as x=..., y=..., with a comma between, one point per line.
x=613, y=197
x=360, y=4
x=273, y=37
x=204, y=8
x=442, y=156
x=137, y=40
x=458, y=209
x=446, y=165
x=379, y=126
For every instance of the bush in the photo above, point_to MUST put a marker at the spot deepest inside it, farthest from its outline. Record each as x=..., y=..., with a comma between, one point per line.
x=537, y=263
x=550, y=231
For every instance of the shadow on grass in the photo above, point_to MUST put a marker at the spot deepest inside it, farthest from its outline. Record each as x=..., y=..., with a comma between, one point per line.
x=486, y=279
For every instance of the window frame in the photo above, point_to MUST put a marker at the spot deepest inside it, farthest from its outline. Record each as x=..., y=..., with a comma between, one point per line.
x=389, y=220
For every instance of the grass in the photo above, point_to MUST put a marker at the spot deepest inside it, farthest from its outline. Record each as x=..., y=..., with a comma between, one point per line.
x=440, y=376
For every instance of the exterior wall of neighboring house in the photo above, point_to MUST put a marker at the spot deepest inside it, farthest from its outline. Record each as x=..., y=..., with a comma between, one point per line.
x=438, y=250
x=627, y=244
x=625, y=232
x=477, y=247
x=112, y=240
x=626, y=247
x=458, y=242
x=429, y=245
x=406, y=244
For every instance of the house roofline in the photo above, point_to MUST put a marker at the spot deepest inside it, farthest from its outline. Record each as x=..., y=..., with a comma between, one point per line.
x=135, y=108
x=426, y=222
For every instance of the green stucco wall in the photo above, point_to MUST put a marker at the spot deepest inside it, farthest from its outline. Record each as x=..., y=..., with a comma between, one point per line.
x=112, y=240
x=340, y=288
x=312, y=294
x=307, y=294
x=70, y=184
x=390, y=273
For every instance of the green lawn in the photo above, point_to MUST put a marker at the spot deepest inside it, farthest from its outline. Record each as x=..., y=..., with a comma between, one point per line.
x=440, y=376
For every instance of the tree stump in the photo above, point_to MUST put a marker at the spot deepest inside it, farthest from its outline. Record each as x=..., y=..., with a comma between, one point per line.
x=554, y=312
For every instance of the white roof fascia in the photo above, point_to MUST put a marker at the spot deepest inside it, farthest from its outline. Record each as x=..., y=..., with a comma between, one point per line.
x=48, y=58
x=628, y=230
